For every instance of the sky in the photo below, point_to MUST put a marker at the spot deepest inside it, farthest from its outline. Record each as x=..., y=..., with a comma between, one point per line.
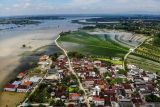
x=44, y=7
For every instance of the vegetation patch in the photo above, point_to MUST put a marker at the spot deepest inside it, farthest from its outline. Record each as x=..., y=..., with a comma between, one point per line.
x=11, y=99
x=94, y=44
x=115, y=62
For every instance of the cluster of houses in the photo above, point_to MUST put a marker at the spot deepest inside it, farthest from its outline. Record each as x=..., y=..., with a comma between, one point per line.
x=24, y=82
x=136, y=84
x=131, y=92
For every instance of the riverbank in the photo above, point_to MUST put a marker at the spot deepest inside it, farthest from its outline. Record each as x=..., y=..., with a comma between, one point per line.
x=13, y=53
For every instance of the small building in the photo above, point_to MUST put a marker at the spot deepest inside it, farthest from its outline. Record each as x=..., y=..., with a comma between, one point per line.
x=74, y=96
x=52, y=77
x=17, y=83
x=10, y=87
x=35, y=79
x=27, y=83
x=21, y=75
x=22, y=88
x=89, y=82
x=98, y=101
x=44, y=58
x=102, y=70
x=97, y=63
x=61, y=57
x=128, y=88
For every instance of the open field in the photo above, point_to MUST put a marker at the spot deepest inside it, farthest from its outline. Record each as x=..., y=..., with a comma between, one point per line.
x=147, y=56
x=96, y=45
x=146, y=64
x=11, y=99
x=115, y=62
x=123, y=38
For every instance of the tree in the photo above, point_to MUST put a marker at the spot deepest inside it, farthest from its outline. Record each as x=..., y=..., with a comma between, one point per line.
x=121, y=71
x=156, y=40
x=59, y=103
x=106, y=74
x=95, y=70
x=119, y=80
x=152, y=98
x=23, y=45
x=52, y=102
x=81, y=92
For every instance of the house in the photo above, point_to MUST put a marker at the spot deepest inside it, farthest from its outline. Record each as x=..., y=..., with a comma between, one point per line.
x=44, y=64
x=60, y=91
x=101, y=83
x=97, y=63
x=102, y=70
x=74, y=96
x=44, y=58
x=61, y=57
x=89, y=82
x=22, y=88
x=97, y=90
x=98, y=101
x=21, y=75
x=125, y=104
x=52, y=77
x=17, y=83
x=27, y=83
x=34, y=79
x=128, y=88
x=110, y=95
x=10, y=87
x=136, y=99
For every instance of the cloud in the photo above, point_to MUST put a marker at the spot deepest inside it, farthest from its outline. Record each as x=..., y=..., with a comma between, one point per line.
x=20, y=7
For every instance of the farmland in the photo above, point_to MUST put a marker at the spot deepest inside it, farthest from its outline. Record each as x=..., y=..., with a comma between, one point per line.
x=147, y=56
x=6, y=99
x=95, y=45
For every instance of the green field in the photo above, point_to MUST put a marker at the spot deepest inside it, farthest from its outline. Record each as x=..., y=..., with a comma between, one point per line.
x=112, y=61
x=147, y=56
x=95, y=45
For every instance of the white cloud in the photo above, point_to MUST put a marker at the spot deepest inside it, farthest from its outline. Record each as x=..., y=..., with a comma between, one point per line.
x=80, y=6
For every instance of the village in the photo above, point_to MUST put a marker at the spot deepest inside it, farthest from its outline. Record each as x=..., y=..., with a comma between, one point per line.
x=52, y=84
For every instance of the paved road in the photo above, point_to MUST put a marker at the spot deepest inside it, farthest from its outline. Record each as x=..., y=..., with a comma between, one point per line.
x=73, y=72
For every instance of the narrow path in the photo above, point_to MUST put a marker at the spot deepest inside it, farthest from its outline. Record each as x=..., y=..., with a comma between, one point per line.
x=73, y=72
x=130, y=51
x=24, y=104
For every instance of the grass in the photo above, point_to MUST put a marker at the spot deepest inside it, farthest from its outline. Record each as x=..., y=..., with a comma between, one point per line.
x=144, y=63
x=11, y=99
x=147, y=56
x=95, y=44
x=112, y=61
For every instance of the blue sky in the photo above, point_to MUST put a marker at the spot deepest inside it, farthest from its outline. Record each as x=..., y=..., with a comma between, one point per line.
x=34, y=7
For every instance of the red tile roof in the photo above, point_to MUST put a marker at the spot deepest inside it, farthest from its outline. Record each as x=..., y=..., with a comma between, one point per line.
x=10, y=86
x=27, y=83
x=98, y=99
x=110, y=92
x=74, y=95
x=22, y=87
x=22, y=74
x=127, y=86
